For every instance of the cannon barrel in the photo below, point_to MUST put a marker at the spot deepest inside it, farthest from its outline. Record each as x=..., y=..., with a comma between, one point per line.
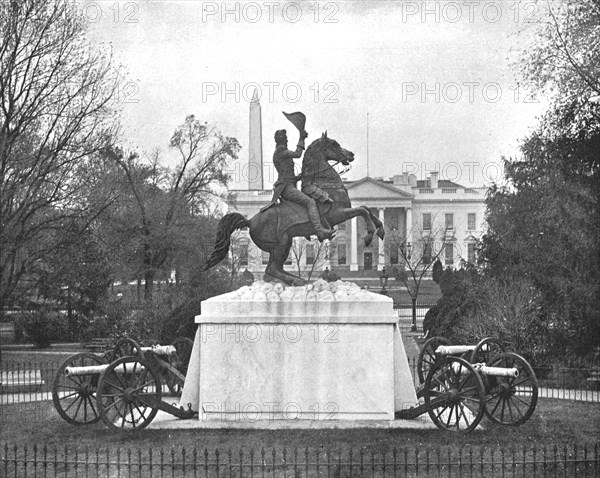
x=161, y=349
x=98, y=369
x=498, y=371
x=458, y=349
x=454, y=349
x=485, y=370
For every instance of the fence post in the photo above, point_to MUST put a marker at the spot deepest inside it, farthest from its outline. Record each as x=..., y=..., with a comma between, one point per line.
x=414, y=314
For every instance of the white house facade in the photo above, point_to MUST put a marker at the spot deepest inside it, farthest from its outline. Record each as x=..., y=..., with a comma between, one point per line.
x=431, y=213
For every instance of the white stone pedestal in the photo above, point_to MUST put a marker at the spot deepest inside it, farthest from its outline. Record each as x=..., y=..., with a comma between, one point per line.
x=296, y=361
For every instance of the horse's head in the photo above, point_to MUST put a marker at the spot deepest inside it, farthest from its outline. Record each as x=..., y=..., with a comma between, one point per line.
x=331, y=150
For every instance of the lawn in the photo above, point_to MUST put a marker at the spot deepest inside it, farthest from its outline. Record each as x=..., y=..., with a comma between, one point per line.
x=555, y=422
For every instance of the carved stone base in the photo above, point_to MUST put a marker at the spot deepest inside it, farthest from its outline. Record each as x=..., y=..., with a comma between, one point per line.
x=283, y=276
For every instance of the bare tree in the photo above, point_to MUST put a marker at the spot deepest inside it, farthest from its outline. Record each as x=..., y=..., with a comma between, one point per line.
x=320, y=252
x=56, y=109
x=562, y=57
x=166, y=198
x=417, y=258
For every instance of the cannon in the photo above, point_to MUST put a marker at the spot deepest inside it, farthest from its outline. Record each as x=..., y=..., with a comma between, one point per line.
x=123, y=387
x=464, y=383
x=481, y=352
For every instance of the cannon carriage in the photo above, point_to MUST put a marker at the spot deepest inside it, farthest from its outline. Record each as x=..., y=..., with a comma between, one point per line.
x=460, y=384
x=125, y=386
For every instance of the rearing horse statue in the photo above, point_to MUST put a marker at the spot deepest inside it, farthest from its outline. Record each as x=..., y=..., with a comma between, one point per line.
x=273, y=230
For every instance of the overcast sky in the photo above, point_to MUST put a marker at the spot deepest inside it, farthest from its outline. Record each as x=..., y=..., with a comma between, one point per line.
x=435, y=78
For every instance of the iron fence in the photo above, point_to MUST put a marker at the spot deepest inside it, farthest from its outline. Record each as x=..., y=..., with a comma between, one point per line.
x=405, y=314
x=470, y=461
x=26, y=389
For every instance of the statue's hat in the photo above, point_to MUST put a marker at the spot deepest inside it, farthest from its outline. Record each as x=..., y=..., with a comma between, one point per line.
x=298, y=119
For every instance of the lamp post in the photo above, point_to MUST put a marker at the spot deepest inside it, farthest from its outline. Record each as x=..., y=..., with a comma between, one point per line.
x=414, y=314
x=383, y=279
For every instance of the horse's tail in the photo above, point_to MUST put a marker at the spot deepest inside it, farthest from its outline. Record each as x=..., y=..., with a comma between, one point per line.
x=227, y=225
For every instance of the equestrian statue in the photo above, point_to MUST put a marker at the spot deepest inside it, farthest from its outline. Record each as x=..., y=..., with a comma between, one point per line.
x=320, y=204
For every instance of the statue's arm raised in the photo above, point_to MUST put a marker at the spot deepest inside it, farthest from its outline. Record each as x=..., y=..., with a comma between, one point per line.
x=298, y=152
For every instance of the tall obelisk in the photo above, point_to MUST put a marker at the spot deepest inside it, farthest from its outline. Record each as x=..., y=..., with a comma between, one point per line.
x=255, y=158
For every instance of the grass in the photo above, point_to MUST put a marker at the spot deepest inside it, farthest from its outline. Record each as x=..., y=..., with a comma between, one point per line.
x=555, y=422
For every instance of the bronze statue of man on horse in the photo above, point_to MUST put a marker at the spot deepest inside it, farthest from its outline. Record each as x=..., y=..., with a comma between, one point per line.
x=285, y=186
x=322, y=203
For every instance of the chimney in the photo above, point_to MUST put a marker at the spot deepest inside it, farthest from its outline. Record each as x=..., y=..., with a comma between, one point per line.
x=397, y=180
x=433, y=178
x=412, y=180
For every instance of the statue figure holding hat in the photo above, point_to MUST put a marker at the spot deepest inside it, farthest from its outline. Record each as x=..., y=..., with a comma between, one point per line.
x=285, y=186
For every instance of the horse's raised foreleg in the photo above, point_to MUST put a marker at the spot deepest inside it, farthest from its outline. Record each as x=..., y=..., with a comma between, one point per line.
x=378, y=224
x=346, y=213
x=369, y=224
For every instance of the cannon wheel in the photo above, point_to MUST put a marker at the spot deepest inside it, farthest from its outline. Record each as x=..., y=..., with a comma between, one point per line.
x=74, y=396
x=511, y=400
x=129, y=391
x=428, y=357
x=125, y=347
x=454, y=395
x=486, y=349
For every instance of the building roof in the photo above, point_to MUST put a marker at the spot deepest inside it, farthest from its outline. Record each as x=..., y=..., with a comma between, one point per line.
x=379, y=184
x=442, y=183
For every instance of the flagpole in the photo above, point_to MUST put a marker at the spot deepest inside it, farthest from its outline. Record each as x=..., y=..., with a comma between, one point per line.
x=367, y=144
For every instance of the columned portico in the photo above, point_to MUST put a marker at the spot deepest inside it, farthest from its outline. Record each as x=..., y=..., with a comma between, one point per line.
x=353, y=245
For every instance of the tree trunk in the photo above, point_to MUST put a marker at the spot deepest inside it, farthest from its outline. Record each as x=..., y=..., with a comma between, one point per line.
x=149, y=285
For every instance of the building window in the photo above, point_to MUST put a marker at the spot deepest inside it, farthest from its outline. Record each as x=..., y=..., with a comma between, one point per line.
x=449, y=221
x=265, y=257
x=449, y=254
x=471, y=221
x=427, y=221
x=471, y=253
x=427, y=252
x=244, y=254
x=310, y=254
x=394, y=256
x=341, y=226
x=341, y=254
x=393, y=219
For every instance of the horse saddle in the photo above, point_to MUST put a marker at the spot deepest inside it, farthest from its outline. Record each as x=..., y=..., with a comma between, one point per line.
x=290, y=213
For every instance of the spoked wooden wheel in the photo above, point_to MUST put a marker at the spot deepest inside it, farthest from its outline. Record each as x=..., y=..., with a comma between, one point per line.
x=74, y=396
x=486, y=349
x=125, y=347
x=511, y=400
x=428, y=357
x=454, y=395
x=129, y=392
